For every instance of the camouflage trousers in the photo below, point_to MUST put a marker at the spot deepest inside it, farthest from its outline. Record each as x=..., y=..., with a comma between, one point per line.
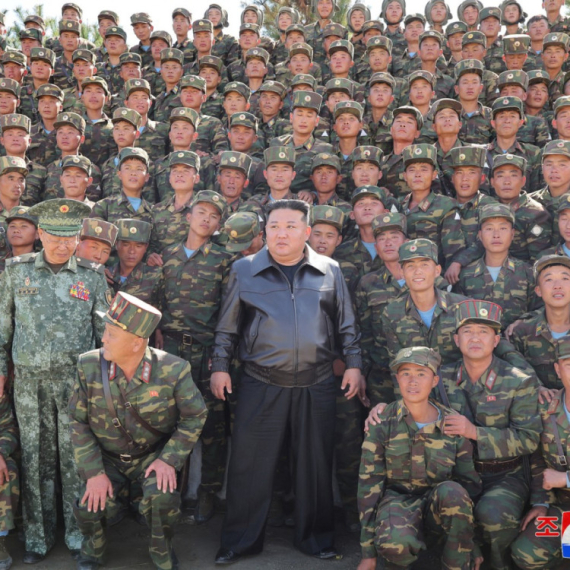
x=40, y=400
x=531, y=552
x=9, y=496
x=214, y=438
x=161, y=511
x=498, y=514
x=405, y=523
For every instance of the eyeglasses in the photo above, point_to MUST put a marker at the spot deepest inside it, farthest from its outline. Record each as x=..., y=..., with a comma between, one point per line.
x=68, y=242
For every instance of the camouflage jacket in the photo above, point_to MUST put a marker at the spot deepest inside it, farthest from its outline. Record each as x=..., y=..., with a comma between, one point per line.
x=213, y=105
x=111, y=75
x=164, y=395
x=477, y=128
x=398, y=458
x=380, y=131
x=399, y=42
x=349, y=228
x=284, y=75
x=444, y=168
x=469, y=213
x=154, y=139
x=36, y=183
x=111, y=184
x=392, y=175
x=164, y=104
x=9, y=434
x=258, y=203
x=28, y=103
x=63, y=73
x=226, y=47
x=118, y=207
x=186, y=47
x=535, y=131
x=146, y=54
x=169, y=225
x=99, y=144
x=494, y=58
x=314, y=37
x=143, y=282
x=550, y=203
x=43, y=145
x=154, y=78
x=54, y=189
x=47, y=320
x=356, y=253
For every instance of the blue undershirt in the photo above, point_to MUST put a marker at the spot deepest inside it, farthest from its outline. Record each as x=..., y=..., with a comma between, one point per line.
x=420, y=426
x=189, y=252
x=427, y=316
x=370, y=248
x=494, y=271
x=135, y=202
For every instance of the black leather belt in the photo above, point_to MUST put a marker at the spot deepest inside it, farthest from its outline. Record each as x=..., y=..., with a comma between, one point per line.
x=130, y=457
x=183, y=338
x=492, y=467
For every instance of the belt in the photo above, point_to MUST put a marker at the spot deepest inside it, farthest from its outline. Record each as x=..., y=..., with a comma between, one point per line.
x=130, y=457
x=492, y=467
x=183, y=338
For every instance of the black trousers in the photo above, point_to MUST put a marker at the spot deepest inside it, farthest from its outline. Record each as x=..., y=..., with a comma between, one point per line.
x=263, y=415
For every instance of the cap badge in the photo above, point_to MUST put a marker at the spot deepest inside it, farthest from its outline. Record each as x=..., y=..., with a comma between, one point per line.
x=483, y=312
x=133, y=230
x=418, y=151
x=64, y=209
x=124, y=112
x=461, y=157
x=98, y=229
x=234, y=234
x=308, y=98
x=242, y=117
x=215, y=198
x=386, y=219
x=233, y=159
x=407, y=354
x=413, y=247
x=180, y=154
x=281, y=155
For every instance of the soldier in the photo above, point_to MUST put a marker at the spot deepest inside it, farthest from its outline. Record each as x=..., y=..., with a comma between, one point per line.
x=41, y=69
x=420, y=94
x=210, y=69
x=143, y=28
x=146, y=448
x=159, y=41
x=115, y=43
x=537, y=28
x=248, y=39
x=271, y=95
x=512, y=16
x=245, y=236
x=556, y=22
x=473, y=46
x=414, y=27
x=181, y=25
x=454, y=34
x=236, y=100
x=76, y=177
x=497, y=276
x=171, y=70
x=194, y=272
x=378, y=118
x=69, y=39
x=468, y=12
x=67, y=292
x=233, y=178
x=316, y=32
x=356, y=17
x=43, y=145
x=554, y=54
x=83, y=66
x=393, y=13
x=413, y=475
x=96, y=240
x=21, y=232
x=561, y=120
x=366, y=170
x=563, y=215
x=515, y=49
x=30, y=39
x=490, y=25
x=14, y=66
x=226, y=46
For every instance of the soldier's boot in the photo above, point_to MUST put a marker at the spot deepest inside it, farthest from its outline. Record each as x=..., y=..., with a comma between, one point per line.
x=87, y=564
x=5, y=558
x=205, y=507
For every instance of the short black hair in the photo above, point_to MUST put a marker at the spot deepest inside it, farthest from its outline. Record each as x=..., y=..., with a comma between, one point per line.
x=296, y=205
x=536, y=18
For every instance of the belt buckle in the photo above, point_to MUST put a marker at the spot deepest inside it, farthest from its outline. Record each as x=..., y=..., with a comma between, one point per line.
x=562, y=460
x=187, y=339
x=126, y=457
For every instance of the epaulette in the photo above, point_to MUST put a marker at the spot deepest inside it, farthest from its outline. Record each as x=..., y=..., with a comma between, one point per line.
x=553, y=406
x=93, y=265
x=26, y=258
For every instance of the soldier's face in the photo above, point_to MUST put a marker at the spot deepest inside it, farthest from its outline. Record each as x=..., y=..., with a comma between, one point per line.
x=415, y=382
x=328, y=41
x=380, y=96
x=394, y=13
x=156, y=46
x=284, y=21
x=304, y=121
x=420, y=273
x=334, y=98
x=232, y=182
x=58, y=249
x=204, y=219
x=16, y=141
x=379, y=59
x=476, y=341
x=537, y=96
x=69, y=41
x=496, y=235
x=341, y=62
x=366, y=173
x=118, y=344
x=562, y=123
x=553, y=286
x=21, y=233
x=234, y=102
x=171, y=72
x=419, y=176
x=182, y=134
x=473, y=51
x=490, y=27
x=93, y=250
x=438, y=12
x=421, y=92
x=279, y=176
x=508, y=182
x=511, y=13
x=552, y=5
x=93, y=97
x=454, y=42
x=430, y=50
x=515, y=61
x=537, y=30
x=388, y=244
x=14, y=71
x=413, y=31
x=211, y=75
x=27, y=45
x=181, y=25
x=131, y=253
x=41, y=70
x=104, y=25
x=286, y=233
x=71, y=14
x=466, y=181
x=83, y=69
x=215, y=16
x=370, y=33
x=74, y=182
x=347, y=125
x=556, y=171
x=564, y=225
x=325, y=8
x=124, y=134
x=115, y=45
x=133, y=175
x=68, y=138
x=142, y=31
x=130, y=70
x=562, y=368
x=365, y=210
x=12, y=186
x=299, y=63
x=554, y=57
x=507, y=123
x=241, y=138
x=324, y=239
x=203, y=41
x=294, y=37
x=404, y=128
x=446, y=122
x=470, y=15
x=513, y=91
x=193, y=98
x=255, y=68
x=270, y=103
x=357, y=20
x=183, y=178
x=325, y=178
x=250, y=17
x=248, y=39
x=139, y=101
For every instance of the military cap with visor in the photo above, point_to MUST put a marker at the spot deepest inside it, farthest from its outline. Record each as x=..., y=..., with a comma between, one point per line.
x=474, y=311
x=468, y=66
x=350, y=107
x=193, y=81
x=10, y=86
x=304, y=79
x=369, y=191
x=509, y=160
x=238, y=87
x=70, y=26
x=211, y=61
x=442, y=104
x=131, y=152
x=307, y=100
x=132, y=85
x=35, y=19
x=341, y=84
x=379, y=42
x=300, y=29
x=13, y=164
x=334, y=29
x=273, y=87
x=325, y=159
x=244, y=119
x=432, y=34
x=556, y=39
x=141, y=18
x=43, y=54
x=329, y=215
x=455, y=28
x=241, y=228
x=491, y=211
x=15, y=121
x=82, y=54
x=96, y=80
x=108, y=15
x=211, y=197
x=301, y=48
x=130, y=57
x=410, y=110
x=367, y=154
x=474, y=38
x=71, y=119
x=76, y=161
x=16, y=57
x=129, y=115
x=468, y=156
x=513, y=77
x=116, y=31
x=235, y=160
x=172, y=54
x=382, y=77
x=414, y=18
x=132, y=315
x=516, y=43
x=279, y=155
x=72, y=6
x=556, y=146
x=202, y=26
x=420, y=153
x=182, y=12
x=508, y=103
x=548, y=261
x=249, y=27
x=161, y=35
x=561, y=103
x=31, y=34
x=420, y=248
x=389, y=221
x=185, y=114
x=419, y=355
x=490, y=12
x=21, y=213
x=60, y=217
x=342, y=45
x=94, y=228
x=134, y=230
x=187, y=157
x=257, y=53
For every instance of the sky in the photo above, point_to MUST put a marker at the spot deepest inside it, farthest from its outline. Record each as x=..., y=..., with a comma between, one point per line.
x=162, y=12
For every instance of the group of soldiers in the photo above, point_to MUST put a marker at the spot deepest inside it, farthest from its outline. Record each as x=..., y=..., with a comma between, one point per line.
x=435, y=155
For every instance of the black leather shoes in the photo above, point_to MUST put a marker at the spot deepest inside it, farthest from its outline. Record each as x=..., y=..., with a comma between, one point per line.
x=88, y=565
x=205, y=508
x=225, y=556
x=326, y=554
x=32, y=557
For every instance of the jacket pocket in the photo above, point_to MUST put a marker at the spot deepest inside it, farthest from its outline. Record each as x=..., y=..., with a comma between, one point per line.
x=251, y=336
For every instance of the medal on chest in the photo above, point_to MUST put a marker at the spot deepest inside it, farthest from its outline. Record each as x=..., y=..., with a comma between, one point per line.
x=79, y=291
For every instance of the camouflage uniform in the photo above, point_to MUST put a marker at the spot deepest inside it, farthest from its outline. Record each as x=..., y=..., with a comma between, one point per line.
x=54, y=189
x=153, y=139
x=44, y=351
x=111, y=185
x=99, y=144
x=477, y=128
x=117, y=207
x=166, y=101
x=9, y=443
x=43, y=145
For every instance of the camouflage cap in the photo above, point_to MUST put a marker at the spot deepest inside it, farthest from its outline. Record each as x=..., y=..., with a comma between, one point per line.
x=141, y=18
x=241, y=228
x=561, y=103
x=185, y=114
x=516, y=43
x=508, y=103
x=249, y=27
x=563, y=348
x=244, y=120
x=43, y=54
x=72, y=119
x=94, y=228
x=490, y=211
x=538, y=76
x=72, y=6
x=334, y=29
x=235, y=160
x=132, y=152
x=513, y=77
x=130, y=57
x=414, y=18
x=134, y=230
x=304, y=79
x=474, y=38
x=563, y=204
x=186, y=157
x=181, y=12
x=389, y=221
x=21, y=213
x=509, y=159
x=350, y=107
x=490, y=12
x=279, y=154
x=418, y=249
x=420, y=153
x=129, y=115
x=342, y=45
x=419, y=355
x=367, y=154
x=549, y=261
x=557, y=146
x=108, y=15
x=325, y=159
x=299, y=28
x=15, y=121
x=76, y=161
x=257, y=53
x=116, y=31
x=61, y=216
x=432, y=34
x=409, y=110
x=329, y=215
x=468, y=66
x=83, y=55
x=211, y=197
x=132, y=85
x=340, y=84
x=421, y=74
x=202, y=26
x=379, y=42
x=307, y=100
x=211, y=61
x=193, y=81
x=468, y=156
x=31, y=34
x=34, y=19
x=301, y=48
x=273, y=87
x=556, y=39
x=14, y=57
x=10, y=86
x=96, y=80
x=382, y=77
x=442, y=104
x=13, y=164
x=373, y=25
x=70, y=26
x=132, y=315
x=238, y=87
x=172, y=54
x=380, y=194
x=455, y=28
x=161, y=35
x=478, y=312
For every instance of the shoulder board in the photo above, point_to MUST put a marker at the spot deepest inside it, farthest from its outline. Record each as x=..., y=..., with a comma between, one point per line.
x=26, y=258
x=93, y=265
x=553, y=406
